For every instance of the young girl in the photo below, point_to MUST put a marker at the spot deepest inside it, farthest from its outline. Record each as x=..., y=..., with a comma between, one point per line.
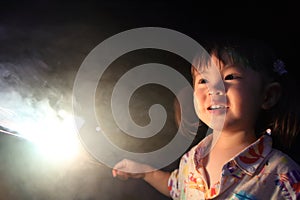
x=241, y=92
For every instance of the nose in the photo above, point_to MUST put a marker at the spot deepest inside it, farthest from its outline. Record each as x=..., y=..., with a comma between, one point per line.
x=215, y=85
x=215, y=92
x=216, y=89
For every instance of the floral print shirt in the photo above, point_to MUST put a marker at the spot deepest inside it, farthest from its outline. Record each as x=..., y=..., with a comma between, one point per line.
x=259, y=172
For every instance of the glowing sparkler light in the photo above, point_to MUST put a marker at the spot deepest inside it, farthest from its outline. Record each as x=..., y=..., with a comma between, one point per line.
x=55, y=138
x=53, y=133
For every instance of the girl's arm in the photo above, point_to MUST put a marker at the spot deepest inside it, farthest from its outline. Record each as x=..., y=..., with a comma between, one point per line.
x=129, y=169
x=159, y=180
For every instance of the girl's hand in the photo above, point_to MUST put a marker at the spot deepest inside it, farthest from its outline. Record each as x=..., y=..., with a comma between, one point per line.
x=126, y=169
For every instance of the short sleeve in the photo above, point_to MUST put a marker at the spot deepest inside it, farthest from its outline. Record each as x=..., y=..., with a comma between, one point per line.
x=173, y=185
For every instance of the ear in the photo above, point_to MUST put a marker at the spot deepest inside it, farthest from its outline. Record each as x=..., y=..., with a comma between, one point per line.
x=272, y=94
x=193, y=73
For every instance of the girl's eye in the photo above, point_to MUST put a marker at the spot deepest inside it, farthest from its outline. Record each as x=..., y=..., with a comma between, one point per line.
x=231, y=77
x=202, y=81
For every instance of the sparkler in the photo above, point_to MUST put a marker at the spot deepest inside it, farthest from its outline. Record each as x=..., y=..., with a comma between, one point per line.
x=2, y=130
x=54, y=133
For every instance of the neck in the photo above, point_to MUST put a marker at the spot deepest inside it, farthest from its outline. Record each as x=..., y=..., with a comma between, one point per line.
x=236, y=140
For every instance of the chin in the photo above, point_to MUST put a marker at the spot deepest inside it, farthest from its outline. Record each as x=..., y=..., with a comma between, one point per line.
x=217, y=123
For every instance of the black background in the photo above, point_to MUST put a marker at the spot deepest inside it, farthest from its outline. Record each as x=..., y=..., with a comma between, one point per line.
x=66, y=31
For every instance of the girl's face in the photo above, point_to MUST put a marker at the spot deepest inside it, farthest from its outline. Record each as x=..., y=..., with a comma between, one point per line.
x=228, y=98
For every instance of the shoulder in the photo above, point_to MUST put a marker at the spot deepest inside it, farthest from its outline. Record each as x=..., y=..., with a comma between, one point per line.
x=284, y=174
x=283, y=163
x=189, y=155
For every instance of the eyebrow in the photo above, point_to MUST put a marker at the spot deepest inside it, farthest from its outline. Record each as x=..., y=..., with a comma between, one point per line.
x=204, y=73
x=229, y=66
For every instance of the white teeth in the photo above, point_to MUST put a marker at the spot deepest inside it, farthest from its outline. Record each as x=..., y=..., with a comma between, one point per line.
x=213, y=107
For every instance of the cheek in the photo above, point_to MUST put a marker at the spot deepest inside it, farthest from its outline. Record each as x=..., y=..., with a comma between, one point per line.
x=201, y=96
x=248, y=99
x=198, y=102
x=196, y=106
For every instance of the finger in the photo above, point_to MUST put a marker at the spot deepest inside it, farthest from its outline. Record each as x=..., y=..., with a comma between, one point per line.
x=120, y=165
x=122, y=175
x=114, y=173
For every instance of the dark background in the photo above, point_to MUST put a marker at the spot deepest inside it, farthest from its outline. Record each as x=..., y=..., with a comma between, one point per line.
x=274, y=22
x=62, y=33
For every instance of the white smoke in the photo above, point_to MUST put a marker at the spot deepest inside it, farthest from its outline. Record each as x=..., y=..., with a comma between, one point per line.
x=35, y=106
x=37, y=69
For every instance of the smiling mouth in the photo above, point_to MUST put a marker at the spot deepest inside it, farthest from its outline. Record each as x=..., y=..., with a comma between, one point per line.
x=217, y=107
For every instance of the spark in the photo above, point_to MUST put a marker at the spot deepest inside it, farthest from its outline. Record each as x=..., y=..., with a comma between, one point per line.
x=53, y=133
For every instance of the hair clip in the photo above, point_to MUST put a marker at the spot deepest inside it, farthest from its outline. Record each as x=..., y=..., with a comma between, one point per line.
x=279, y=67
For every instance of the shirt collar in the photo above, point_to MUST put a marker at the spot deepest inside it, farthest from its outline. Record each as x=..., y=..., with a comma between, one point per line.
x=251, y=158
x=247, y=160
x=202, y=149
